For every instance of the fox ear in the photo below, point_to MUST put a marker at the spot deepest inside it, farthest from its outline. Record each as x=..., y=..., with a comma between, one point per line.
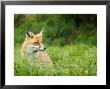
x=41, y=32
x=29, y=33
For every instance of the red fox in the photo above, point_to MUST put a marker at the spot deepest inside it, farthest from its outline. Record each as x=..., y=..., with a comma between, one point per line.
x=33, y=48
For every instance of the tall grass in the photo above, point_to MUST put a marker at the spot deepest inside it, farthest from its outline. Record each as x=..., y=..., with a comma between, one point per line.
x=71, y=41
x=69, y=60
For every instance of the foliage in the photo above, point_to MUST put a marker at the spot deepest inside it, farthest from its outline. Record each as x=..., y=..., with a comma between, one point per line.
x=59, y=29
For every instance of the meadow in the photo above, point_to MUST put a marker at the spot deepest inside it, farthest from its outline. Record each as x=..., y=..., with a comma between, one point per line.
x=74, y=60
x=70, y=40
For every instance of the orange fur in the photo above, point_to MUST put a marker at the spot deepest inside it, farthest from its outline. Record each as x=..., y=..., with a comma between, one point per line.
x=34, y=43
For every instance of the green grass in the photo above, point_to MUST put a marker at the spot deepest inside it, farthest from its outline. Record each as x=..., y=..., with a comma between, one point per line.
x=70, y=60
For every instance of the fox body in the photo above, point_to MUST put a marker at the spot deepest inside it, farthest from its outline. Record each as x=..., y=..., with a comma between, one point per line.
x=33, y=48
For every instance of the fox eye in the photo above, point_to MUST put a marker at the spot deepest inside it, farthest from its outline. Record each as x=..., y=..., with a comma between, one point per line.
x=35, y=42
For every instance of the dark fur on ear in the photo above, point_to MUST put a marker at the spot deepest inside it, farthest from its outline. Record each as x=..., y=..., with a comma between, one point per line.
x=27, y=32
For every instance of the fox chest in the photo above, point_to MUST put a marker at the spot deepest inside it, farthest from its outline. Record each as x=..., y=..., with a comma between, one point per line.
x=30, y=51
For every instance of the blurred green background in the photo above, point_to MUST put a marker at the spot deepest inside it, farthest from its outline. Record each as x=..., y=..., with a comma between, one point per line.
x=70, y=40
x=59, y=29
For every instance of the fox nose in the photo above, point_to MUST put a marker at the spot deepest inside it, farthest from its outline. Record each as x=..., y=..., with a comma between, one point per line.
x=44, y=48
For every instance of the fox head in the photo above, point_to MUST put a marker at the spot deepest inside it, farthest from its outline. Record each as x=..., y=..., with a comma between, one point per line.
x=34, y=40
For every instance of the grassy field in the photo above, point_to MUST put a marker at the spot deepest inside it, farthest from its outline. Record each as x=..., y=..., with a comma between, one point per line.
x=70, y=39
x=70, y=60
